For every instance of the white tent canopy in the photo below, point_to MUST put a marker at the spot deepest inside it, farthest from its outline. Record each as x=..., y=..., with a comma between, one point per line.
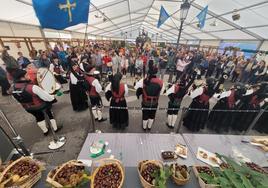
x=125, y=18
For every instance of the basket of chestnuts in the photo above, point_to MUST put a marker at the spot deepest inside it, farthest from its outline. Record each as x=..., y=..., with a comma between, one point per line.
x=107, y=173
x=146, y=171
x=204, y=170
x=22, y=173
x=69, y=174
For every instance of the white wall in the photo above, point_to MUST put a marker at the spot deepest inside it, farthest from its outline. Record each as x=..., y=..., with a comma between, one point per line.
x=264, y=46
x=210, y=43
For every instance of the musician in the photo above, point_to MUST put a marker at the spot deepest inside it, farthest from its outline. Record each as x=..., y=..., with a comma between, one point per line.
x=78, y=94
x=117, y=92
x=56, y=68
x=196, y=119
x=150, y=89
x=220, y=121
x=175, y=95
x=94, y=91
x=34, y=100
x=252, y=100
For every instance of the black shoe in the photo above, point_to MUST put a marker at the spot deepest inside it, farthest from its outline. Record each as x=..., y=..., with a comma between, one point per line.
x=46, y=133
x=102, y=120
x=96, y=119
x=169, y=126
x=59, y=128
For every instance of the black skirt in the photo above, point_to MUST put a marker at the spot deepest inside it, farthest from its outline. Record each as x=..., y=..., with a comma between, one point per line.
x=219, y=118
x=195, y=120
x=78, y=97
x=119, y=117
x=261, y=125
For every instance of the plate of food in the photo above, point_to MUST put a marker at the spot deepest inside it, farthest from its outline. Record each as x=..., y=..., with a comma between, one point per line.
x=208, y=157
x=181, y=150
x=262, y=142
x=169, y=155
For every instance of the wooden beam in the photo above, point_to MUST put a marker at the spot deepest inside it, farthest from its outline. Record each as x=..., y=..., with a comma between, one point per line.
x=2, y=43
x=31, y=44
x=27, y=44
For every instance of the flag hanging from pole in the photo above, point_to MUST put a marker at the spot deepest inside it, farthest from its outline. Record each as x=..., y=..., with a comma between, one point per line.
x=60, y=14
x=162, y=17
x=202, y=17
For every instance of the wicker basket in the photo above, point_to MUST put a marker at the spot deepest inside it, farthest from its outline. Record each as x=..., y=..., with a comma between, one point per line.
x=27, y=183
x=141, y=166
x=201, y=182
x=100, y=163
x=178, y=181
x=51, y=180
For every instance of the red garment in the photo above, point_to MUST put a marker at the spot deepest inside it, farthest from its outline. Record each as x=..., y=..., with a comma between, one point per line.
x=92, y=91
x=107, y=59
x=144, y=59
x=231, y=100
x=146, y=97
x=204, y=98
x=121, y=95
x=36, y=102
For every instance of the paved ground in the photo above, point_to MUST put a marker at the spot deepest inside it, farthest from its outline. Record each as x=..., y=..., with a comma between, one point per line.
x=77, y=125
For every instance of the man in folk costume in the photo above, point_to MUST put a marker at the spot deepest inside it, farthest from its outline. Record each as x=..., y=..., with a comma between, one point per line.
x=229, y=100
x=78, y=96
x=34, y=100
x=175, y=95
x=56, y=68
x=94, y=91
x=150, y=89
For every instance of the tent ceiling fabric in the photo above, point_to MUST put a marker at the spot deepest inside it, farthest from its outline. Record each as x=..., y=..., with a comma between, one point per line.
x=128, y=17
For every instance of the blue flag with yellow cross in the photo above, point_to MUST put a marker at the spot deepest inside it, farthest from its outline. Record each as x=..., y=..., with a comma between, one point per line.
x=60, y=14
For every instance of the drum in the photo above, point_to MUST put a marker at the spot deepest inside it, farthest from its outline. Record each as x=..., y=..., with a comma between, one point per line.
x=46, y=80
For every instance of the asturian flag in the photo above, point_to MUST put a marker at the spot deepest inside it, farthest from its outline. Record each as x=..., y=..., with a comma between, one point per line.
x=202, y=17
x=60, y=14
x=162, y=17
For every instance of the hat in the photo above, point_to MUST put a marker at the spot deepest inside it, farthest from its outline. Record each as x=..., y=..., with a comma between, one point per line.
x=88, y=68
x=18, y=74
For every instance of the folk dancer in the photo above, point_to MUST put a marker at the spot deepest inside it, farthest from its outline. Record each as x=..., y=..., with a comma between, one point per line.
x=116, y=92
x=150, y=89
x=34, y=100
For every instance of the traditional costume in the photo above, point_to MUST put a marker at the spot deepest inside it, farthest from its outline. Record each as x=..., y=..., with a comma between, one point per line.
x=94, y=91
x=195, y=119
x=34, y=100
x=57, y=70
x=251, y=101
x=220, y=121
x=78, y=94
x=117, y=92
x=150, y=89
x=175, y=95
